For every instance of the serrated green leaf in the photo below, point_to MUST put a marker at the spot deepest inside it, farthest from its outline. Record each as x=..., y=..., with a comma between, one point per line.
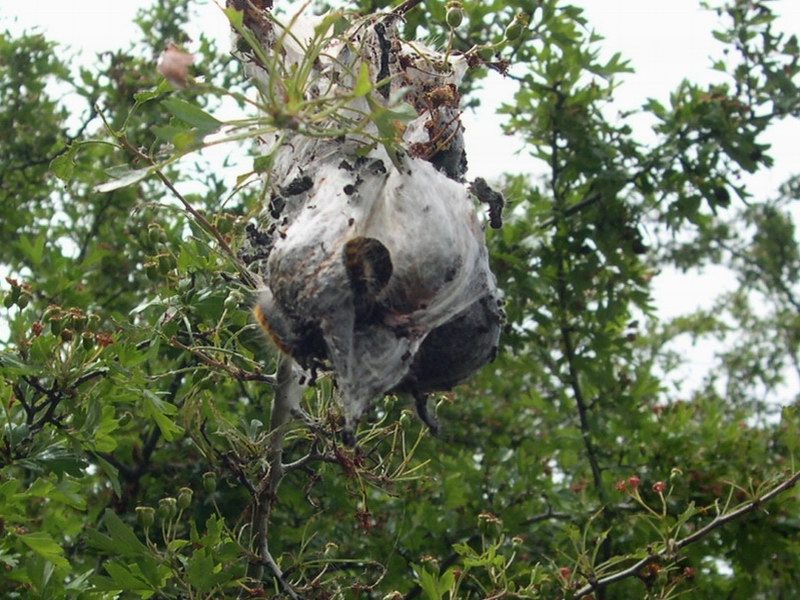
x=157, y=409
x=124, y=578
x=200, y=571
x=63, y=166
x=123, y=536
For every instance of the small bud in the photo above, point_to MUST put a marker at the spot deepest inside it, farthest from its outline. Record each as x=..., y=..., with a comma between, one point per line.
x=634, y=482
x=79, y=321
x=659, y=487
x=23, y=300
x=455, y=14
x=167, y=508
x=155, y=234
x=164, y=264
x=87, y=339
x=210, y=482
x=56, y=323
x=146, y=516
x=233, y=301
x=405, y=419
x=37, y=328
x=151, y=270
x=104, y=339
x=8, y=301
x=621, y=486
x=126, y=418
x=67, y=335
x=184, y=498
x=514, y=29
x=174, y=66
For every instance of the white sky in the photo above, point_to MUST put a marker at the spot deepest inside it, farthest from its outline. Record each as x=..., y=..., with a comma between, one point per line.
x=665, y=40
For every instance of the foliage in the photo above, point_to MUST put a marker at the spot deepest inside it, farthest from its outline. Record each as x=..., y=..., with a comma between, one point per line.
x=137, y=456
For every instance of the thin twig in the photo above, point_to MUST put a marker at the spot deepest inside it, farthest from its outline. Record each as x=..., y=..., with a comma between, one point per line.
x=405, y=7
x=198, y=216
x=672, y=547
x=234, y=371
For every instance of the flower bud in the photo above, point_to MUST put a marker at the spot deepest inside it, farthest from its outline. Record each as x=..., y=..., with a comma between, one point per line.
x=513, y=31
x=455, y=15
x=146, y=516
x=167, y=508
x=184, y=498
x=87, y=339
x=210, y=482
x=164, y=264
x=233, y=300
x=151, y=270
x=126, y=418
x=405, y=419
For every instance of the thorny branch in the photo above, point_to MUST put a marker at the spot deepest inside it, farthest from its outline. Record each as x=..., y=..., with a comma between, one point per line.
x=675, y=545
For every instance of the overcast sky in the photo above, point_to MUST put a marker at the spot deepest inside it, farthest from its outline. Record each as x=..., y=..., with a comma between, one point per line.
x=665, y=40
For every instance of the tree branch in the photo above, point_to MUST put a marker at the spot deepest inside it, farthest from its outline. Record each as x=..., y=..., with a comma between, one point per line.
x=673, y=546
x=405, y=6
x=287, y=396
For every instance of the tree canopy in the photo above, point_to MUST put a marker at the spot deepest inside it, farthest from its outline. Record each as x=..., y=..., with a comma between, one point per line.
x=140, y=452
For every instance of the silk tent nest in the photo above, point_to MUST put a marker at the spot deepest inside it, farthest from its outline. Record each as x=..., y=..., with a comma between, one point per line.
x=373, y=255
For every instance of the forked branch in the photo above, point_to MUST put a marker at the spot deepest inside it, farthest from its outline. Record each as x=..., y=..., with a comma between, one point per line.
x=701, y=533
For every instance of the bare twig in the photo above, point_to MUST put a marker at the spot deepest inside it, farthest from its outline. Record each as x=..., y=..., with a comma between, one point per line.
x=676, y=545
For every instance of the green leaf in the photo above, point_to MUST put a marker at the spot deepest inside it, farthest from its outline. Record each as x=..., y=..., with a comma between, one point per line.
x=363, y=84
x=39, y=571
x=123, y=536
x=123, y=178
x=63, y=165
x=157, y=409
x=145, y=96
x=111, y=472
x=235, y=17
x=124, y=578
x=200, y=571
x=46, y=547
x=191, y=114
